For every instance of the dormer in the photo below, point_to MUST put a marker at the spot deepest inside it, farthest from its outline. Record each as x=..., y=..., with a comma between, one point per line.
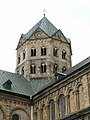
x=7, y=85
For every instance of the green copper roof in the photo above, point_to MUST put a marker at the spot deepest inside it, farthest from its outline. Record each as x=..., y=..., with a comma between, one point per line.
x=45, y=25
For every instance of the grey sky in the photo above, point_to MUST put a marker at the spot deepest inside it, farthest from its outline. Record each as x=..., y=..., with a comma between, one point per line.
x=19, y=16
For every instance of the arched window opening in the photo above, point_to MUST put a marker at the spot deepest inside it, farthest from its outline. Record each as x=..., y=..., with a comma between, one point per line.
x=24, y=54
x=55, y=68
x=43, y=50
x=52, y=110
x=70, y=101
x=78, y=99
x=68, y=104
x=18, y=59
x=43, y=68
x=62, y=106
x=55, y=52
x=63, y=54
x=79, y=96
x=33, y=52
x=32, y=69
x=15, y=117
x=22, y=70
x=63, y=68
x=17, y=71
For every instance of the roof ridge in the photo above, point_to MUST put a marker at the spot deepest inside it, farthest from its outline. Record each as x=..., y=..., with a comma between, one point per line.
x=45, y=25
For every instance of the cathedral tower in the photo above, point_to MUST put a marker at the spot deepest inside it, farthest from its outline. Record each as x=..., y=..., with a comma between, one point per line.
x=42, y=51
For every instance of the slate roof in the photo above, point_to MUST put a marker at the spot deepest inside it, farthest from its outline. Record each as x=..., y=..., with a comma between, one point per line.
x=78, y=66
x=45, y=25
x=20, y=85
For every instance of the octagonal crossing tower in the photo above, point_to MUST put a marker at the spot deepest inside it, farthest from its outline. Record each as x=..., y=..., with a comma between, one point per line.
x=42, y=51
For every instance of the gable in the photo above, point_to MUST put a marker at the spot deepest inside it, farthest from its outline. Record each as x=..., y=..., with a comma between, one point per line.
x=39, y=34
x=60, y=36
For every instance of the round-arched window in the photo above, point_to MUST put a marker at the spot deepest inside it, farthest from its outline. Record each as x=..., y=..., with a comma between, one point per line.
x=15, y=117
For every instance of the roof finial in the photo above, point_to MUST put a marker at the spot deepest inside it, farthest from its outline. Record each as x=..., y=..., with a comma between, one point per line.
x=44, y=12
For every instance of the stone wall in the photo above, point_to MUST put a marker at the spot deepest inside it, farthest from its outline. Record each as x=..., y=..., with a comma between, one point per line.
x=75, y=91
x=10, y=105
x=50, y=43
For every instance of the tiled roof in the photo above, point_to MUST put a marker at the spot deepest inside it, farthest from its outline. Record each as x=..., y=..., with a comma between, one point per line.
x=78, y=66
x=45, y=25
x=20, y=85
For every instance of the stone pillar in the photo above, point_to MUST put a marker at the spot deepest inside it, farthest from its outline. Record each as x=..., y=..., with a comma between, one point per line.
x=35, y=115
x=48, y=112
x=31, y=112
x=68, y=104
x=77, y=101
x=41, y=114
x=56, y=110
x=38, y=114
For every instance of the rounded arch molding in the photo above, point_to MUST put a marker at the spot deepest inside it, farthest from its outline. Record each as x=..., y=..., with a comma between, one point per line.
x=3, y=112
x=15, y=109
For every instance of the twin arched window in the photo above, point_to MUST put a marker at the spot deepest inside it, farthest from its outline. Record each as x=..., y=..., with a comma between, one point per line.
x=19, y=58
x=43, y=50
x=24, y=54
x=55, y=68
x=33, y=69
x=43, y=68
x=63, y=54
x=22, y=70
x=55, y=51
x=33, y=52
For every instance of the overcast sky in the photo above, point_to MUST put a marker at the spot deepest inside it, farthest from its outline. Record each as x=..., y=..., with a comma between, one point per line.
x=19, y=16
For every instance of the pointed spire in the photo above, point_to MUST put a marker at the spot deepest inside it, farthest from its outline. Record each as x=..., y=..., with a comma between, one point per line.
x=44, y=12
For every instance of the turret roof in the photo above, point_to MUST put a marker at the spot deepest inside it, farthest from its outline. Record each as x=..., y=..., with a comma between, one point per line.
x=45, y=25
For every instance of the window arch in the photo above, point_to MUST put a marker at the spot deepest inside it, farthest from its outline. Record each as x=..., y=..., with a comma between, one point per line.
x=43, y=50
x=55, y=51
x=19, y=58
x=63, y=68
x=62, y=105
x=79, y=96
x=63, y=54
x=70, y=101
x=22, y=70
x=43, y=68
x=32, y=69
x=33, y=51
x=52, y=110
x=15, y=117
x=24, y=54
x=55, y=68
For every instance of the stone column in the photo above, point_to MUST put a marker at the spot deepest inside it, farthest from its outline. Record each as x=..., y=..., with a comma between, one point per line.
x=56, y=110
x=77, y=102
x=67, y=104
x=35, y=115
x=48, y=112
